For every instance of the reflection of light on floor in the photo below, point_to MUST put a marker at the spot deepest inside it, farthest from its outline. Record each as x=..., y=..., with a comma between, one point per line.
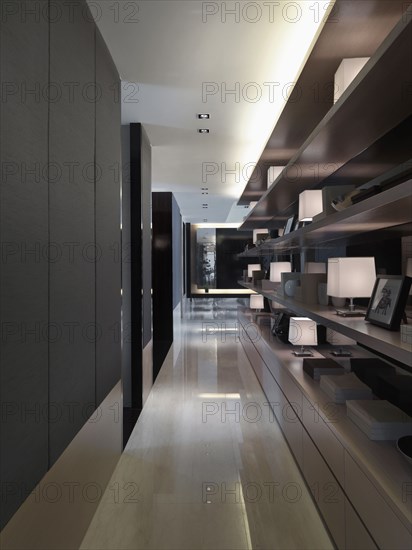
x=245, y=519
x=219, y=395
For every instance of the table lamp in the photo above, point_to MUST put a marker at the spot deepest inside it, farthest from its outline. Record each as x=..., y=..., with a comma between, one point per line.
x=276, y=268
x=303, y=332
x=351, y=278
x=256, y=302
x=251, y=268
x=338, y=339
x=310, y=204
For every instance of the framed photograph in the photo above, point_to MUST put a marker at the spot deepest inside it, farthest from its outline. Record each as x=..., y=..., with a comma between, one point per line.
x=289, y=225
x=388, y=300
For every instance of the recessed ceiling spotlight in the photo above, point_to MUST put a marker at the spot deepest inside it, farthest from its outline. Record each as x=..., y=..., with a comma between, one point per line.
x=204, y=131
x=205, y=220
x=203, y=116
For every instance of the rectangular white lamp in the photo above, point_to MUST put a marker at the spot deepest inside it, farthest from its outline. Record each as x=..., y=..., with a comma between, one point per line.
x=273, y=174
x=256, y=301
x=276, y=268
x=315, y=267
x=351, y=278
x=302, y=332
x=252, y=267
x=310, y=204
x=338, y=339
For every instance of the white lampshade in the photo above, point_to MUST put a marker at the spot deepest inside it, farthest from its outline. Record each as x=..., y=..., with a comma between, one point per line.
x=302, y=332
x=310, y=204
x=252, y=267
x=338, y=339
x=315, y=267
x=276, y=268
x=273, y=174
x=351, y=277
x=256, y=232
x=256, y=301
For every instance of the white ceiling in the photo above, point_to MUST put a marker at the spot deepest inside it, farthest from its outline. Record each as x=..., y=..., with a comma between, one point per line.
x=171, y=53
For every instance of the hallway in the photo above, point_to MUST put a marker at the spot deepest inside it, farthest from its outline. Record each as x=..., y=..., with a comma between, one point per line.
x=207, y=466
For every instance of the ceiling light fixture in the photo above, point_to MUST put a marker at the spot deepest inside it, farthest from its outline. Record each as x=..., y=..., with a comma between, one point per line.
x=204, y=131
x=203, y=116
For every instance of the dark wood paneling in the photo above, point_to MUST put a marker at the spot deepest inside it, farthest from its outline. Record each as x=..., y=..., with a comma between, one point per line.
x=24, y=271
x=162, y=277
x=108, y=266
x=140, y=255
x=72, y=220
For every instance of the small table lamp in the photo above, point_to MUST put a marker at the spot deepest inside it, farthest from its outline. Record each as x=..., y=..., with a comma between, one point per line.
x=256, y=302
x=310, y=204
x=303, y=332
x=351, y=278
x=338, y=339
x=276, y=268
x=251, y=268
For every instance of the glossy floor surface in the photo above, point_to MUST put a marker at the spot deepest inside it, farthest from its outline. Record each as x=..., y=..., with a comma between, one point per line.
x=207, y=466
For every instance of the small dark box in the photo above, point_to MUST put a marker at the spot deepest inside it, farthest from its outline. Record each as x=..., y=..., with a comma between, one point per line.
x=369, y=369
x=316, y=367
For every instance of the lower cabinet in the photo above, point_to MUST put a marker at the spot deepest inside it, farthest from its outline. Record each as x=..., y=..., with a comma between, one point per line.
x=326, y=491
x=357, y=536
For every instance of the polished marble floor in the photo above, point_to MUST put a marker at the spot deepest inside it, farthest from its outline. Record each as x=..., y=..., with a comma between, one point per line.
x=207, y=466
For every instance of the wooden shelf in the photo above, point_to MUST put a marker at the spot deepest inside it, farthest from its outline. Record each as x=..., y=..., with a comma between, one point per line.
x=389, y=208
x=379, y=460
x=359, y=118
x=383, y=341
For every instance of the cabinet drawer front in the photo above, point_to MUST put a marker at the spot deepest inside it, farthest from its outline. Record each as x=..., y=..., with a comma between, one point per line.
x=254, y=358
x=385, y=527
x=325, y=490
x=327, y=443
x=357, y=536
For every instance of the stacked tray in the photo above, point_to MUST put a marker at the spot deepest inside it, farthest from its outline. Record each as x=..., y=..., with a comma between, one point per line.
x=379, y=419
x=341, y=388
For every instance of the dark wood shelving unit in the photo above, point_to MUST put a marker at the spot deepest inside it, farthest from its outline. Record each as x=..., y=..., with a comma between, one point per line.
x=374, y=103
x=390, y=208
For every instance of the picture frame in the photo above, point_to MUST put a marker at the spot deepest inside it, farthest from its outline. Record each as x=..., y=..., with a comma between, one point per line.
x=289, y=225
x=387, y=304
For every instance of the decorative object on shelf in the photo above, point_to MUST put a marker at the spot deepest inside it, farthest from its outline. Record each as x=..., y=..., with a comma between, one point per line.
x=303, y=332
x=260, y=235
x=257, y=277
x=406, y=334
x=307, y=289
x=404, y=446
x=346, y=73
x=397, y=389
x=251, y=268
x=315, y=267
x=256, y=302
x=281, y=323
x=310, y=204
x=330, y=195
x=338, y=339
x=351, y=278
x=323, y=298
x=366, y=193
x=379, y=419
x=290, y=287
x=316, y=367
x=342, y=202
x=289, y=225
x=387, y=304
x=368, y=369
x=277, y=268
x=343, y=388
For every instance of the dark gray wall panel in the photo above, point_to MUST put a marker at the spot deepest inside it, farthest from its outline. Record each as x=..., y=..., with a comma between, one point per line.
x=177, y=253
x=72, y=206
x=146, y=159
x=108, y=266
x=23, y=269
